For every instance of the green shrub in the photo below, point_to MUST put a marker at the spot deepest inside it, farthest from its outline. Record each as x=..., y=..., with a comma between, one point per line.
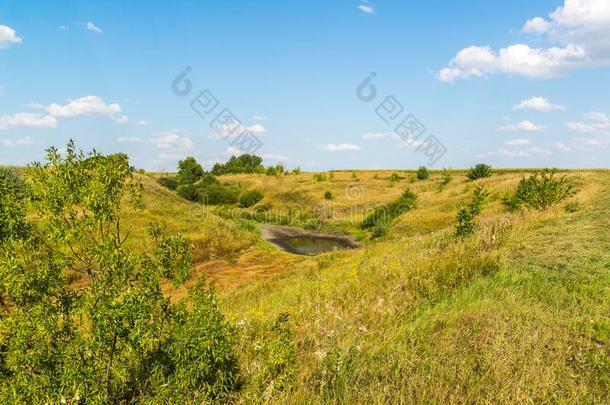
x=189, y=192
x=394, y=177
x=572, y=206
x=382, y=216
x=319, y=177
x=245, y=163
x=446, y=177
x=422, y=173
x=219, y=194
x=328, y=196
x=169, y=182
x=296, y=171
x=248, y=198
x=14, y=182
x=479, y=171
x=540, y=191
x=466, y=224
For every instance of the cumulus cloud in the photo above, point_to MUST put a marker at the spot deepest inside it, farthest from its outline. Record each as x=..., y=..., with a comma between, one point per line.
x=88, y=105
x=341, y=147
x=130, y=139
x=373, y=135
x=366, y=8
x=520, y=152
x=518, y=142
x=27, y=141
x=8, y=36
x=596, y=122
x=172, y=140
x=523, y=126
x=92, y=27
x=275, y=158
x=538, y=104
x=577, y=31
x=27, y=120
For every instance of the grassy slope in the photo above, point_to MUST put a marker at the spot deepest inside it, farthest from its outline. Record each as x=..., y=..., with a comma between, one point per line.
x=517, y=313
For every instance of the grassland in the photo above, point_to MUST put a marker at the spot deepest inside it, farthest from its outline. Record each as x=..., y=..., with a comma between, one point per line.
x=516, y=313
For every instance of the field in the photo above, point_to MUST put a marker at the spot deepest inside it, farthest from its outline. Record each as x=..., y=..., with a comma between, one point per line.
x=516, y=313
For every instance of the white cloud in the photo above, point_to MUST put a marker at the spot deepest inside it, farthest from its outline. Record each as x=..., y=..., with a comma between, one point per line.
x=92, y=27
x=172, y=156
x=172, y=140
x=341, y=147
x=232, y=151
x=275, y=158
x=366, y=8
x=27, y=120
x=538, y=104
x=8, y=36
x=259, y=118
x=142, y=123
x=373, y=135
x=518, y=59
x=130, y=139
x=27, y=141
x=562, y=147
x=523, y=126
x=579, y=32
x=257, y=129
x=597, y=122
x=536, y=25
x=63, y=27
x=88, y=105
x=518, y=142
x=521, y=152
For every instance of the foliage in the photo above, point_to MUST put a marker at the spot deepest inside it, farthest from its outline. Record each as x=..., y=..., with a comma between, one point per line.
x=465, y=223
x=328, y=195
x=446, y=177
x=117, y=338
x=220, y=194
x=248, y=198
x=422, y=173
x=479, y=171
x=382, y=216
x=296, y=171
x=189, y=171
x=395, y=177
x=169, y=182
x=319, y=177
x=540, y=191
x=245, y=163
x=13, y=181
x=189, y=192
x=275, y=170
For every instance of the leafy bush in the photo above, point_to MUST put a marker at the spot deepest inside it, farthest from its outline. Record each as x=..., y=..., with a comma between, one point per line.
x=274, y=170
x=117, y=338
x=466, y=224
x=328, y=196
x=422, y=173
x=382, y=216
x=14, y=182
x=190, y=192
x=446, y=177
x=189, y=171
x=248, y=198
x=479, y=171
x=296, y=171
x=540, y=191
x=218, y=194
x=169, y=182
x=394, y=177
x=319, y=177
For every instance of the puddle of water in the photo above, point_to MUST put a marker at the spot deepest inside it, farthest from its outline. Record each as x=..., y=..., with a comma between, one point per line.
x=311, y=245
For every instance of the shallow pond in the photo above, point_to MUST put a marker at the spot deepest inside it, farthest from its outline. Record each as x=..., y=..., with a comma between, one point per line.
x=302, y=242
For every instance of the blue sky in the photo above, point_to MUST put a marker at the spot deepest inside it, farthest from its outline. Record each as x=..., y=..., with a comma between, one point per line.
x=514, y=84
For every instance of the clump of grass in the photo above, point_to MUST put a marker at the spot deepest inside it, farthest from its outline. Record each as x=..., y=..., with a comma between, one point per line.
x=572, y=206
x=540, y=191
x=319, y=177
x=446, y=177
x=466, y=223
x=422, y=173
x=328, y=196
x=381, y=218
x=394, y=178
x=479, y=171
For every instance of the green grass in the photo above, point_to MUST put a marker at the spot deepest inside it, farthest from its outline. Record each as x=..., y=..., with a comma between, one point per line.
x=516, y=313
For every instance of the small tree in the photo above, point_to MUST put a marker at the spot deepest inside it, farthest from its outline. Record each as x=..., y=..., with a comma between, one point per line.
x=466, y=224
x=328, y=196
x=479, y=171
x=189, y=171
x=540, y=191
x=422, y=173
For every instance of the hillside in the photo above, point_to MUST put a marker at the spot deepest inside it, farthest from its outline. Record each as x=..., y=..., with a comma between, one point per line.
x=517, y=312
